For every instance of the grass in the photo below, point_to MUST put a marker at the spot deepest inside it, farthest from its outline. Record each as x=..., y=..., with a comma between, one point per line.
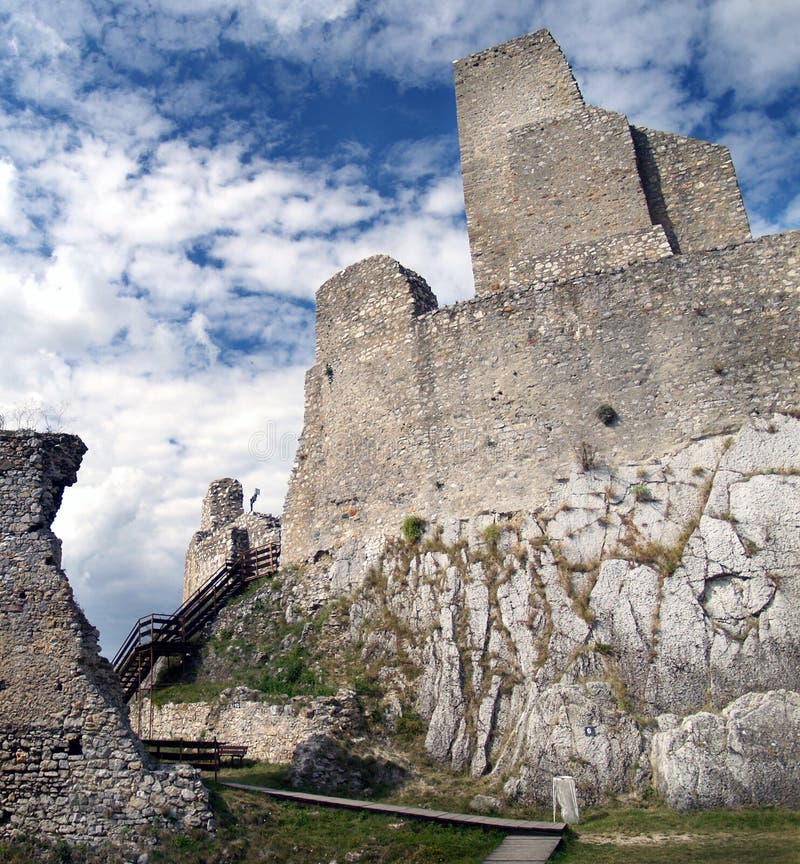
x=253, y=828
x=658, y=835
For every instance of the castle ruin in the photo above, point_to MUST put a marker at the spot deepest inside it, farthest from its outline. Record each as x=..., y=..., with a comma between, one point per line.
x=70, y=766
x=226, y=532
x=621, y=308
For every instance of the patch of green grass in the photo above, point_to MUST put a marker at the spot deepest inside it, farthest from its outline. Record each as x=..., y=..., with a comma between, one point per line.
x=659, y=818
x=413, y=528
x=658, y=835
x=195, y=691
x=292, y=675
x=491, y=534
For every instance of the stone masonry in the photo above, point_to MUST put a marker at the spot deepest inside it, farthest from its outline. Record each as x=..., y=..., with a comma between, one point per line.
x=226, y=532
x=622, y=309
x=70, y=767
x=544, y=172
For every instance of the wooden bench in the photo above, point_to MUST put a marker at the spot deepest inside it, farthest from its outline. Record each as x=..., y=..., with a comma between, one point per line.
x=233, y=751
x=204, y=755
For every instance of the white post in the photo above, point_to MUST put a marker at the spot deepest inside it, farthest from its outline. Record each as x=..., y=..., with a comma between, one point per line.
x=564, y=793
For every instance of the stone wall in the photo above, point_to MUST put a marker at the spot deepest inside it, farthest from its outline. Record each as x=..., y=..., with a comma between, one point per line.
x=497, y=90
x=543, y=171
x=226, y=532
x=691, y=190
x=270, y=731
x=70, y=767
x=478, y=406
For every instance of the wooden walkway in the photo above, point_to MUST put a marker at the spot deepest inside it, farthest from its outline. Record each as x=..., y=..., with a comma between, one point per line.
x=530, y=842
x=519, y=849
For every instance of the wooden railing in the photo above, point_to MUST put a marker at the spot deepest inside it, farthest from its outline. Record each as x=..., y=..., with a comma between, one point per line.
x=158, y=635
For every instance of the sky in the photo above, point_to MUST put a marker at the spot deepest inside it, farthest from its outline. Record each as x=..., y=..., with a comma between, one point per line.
x=178, y=177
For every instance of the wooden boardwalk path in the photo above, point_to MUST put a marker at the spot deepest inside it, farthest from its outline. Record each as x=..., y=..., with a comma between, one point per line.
x=521, y=849
x=531, y=842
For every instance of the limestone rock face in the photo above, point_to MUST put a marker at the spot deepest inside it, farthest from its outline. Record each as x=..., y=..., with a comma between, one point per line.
x=749, y=753
x=70, y=767
x=550, y=641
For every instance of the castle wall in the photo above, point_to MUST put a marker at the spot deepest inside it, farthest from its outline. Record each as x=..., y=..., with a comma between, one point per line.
x=226, y=533
x=479, y=405
x=575, y=179
x=692, y=190
x=70, y=767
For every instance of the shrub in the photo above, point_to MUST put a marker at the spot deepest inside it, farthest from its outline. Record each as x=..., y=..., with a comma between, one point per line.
x=606, y=414
x=491, y=534
x=641, y=492
x=413, y=528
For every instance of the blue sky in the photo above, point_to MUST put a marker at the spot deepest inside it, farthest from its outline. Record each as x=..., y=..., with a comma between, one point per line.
x=177, y=177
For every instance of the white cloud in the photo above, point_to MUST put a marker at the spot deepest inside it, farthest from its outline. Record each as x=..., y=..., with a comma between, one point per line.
x=9, y=211
x=752, y=48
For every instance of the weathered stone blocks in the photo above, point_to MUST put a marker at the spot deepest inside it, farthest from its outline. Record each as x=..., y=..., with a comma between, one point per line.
x=226, y=532
x=70, y=767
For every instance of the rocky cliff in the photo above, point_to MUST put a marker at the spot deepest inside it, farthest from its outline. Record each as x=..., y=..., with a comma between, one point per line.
x=638, y=629
x=597, y=635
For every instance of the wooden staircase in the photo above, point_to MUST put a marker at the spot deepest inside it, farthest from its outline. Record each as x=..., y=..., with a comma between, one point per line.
x=157, y=635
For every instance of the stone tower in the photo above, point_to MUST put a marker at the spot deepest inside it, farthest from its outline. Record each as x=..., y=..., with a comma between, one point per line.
x=557, y=188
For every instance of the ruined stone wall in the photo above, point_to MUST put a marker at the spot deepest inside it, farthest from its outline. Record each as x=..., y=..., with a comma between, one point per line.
x=479, y=405
x=692, y=190
x=271, y=732
x=226, y=532
x=70, y=767
x=544, y=173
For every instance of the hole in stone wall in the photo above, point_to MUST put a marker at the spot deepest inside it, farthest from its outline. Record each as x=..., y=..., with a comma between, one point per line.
x=606, y=414
x=5, y=817
x=74, y=747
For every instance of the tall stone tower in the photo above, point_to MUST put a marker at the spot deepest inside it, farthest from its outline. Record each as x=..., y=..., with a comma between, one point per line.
x=557, y=188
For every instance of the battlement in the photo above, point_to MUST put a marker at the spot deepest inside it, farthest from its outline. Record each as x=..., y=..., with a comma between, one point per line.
x=614, y=268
